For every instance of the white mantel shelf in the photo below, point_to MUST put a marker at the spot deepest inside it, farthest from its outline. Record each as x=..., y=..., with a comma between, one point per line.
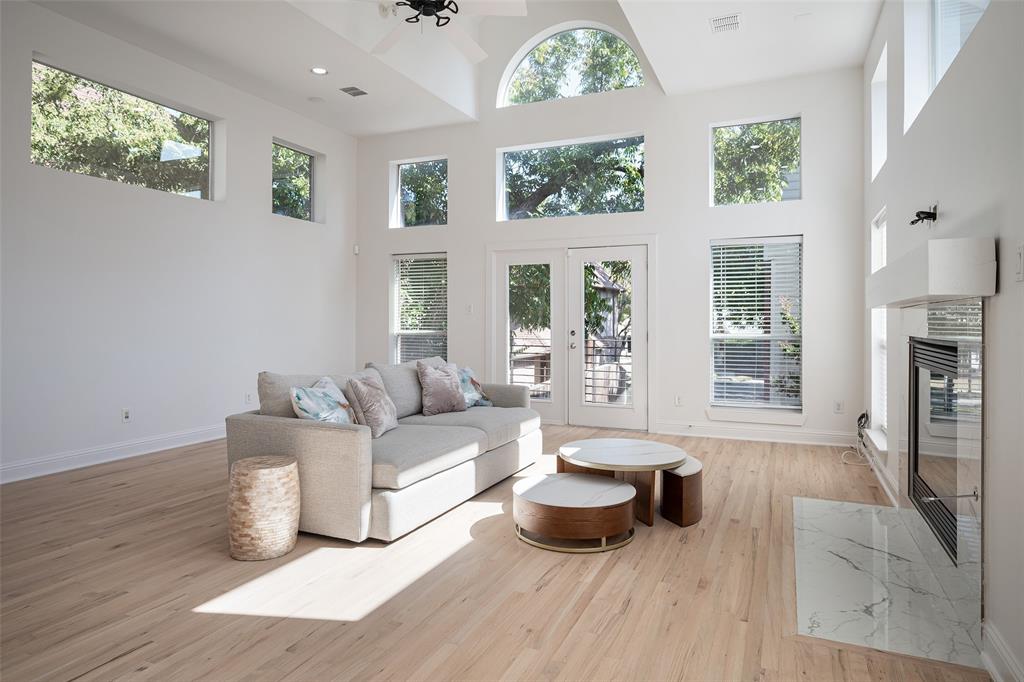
x=939, y=270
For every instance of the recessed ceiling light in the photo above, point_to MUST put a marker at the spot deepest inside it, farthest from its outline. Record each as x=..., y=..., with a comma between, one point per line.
x=319, y=71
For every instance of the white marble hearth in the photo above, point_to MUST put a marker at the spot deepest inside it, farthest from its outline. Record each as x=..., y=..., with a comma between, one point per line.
x=862, y=579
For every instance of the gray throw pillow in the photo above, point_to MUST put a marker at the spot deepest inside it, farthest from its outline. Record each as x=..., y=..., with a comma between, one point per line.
x=372, y=405
x=442, y=390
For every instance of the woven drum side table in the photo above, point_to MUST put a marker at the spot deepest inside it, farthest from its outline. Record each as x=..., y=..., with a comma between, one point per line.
x=263, y=507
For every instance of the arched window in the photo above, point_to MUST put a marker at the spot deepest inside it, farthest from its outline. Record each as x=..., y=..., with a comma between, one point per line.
x=573, y=62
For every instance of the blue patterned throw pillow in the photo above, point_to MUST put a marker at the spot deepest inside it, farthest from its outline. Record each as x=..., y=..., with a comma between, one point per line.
x=322, y=402
x=472, y=391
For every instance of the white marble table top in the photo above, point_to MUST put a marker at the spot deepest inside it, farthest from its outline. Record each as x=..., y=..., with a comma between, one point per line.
x=574, y=490
x=622, y=454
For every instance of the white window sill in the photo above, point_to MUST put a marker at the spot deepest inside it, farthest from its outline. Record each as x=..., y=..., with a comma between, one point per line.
x=753, y=415
x=878, y=439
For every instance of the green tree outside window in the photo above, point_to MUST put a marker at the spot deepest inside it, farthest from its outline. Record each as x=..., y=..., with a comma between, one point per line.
x=292, y=183
x=757, y=162
x=85, y=127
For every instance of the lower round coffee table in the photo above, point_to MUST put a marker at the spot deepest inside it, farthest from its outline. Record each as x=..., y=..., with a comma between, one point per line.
x=633, y=460
x=573, y=512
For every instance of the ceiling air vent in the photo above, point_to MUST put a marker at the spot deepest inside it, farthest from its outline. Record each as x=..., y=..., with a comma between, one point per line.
x=726, y=22
x=354, y=91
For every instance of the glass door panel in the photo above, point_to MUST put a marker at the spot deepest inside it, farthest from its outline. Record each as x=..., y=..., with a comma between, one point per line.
x=530, y=327
x=607, y=344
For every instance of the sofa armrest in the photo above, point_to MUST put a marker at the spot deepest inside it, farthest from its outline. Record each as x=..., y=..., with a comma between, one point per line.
x=335, y=467
x=507, y=395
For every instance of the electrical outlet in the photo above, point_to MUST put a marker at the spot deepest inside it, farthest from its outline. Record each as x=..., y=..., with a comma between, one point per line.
x=248, y=398
x=126, y=415
x=679, y=401
x=838, y=406
x=1020, y=262
x=469, y=308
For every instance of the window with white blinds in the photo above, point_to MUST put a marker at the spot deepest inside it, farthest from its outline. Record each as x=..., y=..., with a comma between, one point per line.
x=957, y=399
x=756, y=321
x=952, y=23
x=879, y=371
x=420, y=308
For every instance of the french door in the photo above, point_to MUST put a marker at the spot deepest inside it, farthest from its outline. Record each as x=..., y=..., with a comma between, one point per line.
x=572, y=325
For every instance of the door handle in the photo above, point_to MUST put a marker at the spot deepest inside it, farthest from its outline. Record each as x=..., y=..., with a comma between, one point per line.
x=951, y=497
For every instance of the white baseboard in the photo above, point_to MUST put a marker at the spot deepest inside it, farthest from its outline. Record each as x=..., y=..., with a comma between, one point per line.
x=760, y=433
x=75, y=459
x=999, y=660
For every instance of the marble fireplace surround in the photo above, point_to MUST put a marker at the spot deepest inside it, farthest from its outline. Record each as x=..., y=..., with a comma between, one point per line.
x=925, y=293
x=865, y=576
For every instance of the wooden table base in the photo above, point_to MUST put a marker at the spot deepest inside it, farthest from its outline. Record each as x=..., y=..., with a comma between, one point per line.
x=643, y=481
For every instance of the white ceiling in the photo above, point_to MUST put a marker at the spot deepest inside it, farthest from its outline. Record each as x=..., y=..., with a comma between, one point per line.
x=268, y=47
x=776, y=39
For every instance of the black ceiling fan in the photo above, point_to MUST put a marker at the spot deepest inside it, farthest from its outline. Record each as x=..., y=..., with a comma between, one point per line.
x=442, y=11
x=430, y=8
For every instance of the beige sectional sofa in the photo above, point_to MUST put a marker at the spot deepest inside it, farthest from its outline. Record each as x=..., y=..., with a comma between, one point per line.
x=354, y=486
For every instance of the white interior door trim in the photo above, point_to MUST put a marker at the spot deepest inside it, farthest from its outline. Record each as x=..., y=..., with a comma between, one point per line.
x=494, y=371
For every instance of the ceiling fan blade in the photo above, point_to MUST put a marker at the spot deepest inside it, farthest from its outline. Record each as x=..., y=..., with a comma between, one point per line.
x=389, y=40
x=458, y=37
x=494, y=8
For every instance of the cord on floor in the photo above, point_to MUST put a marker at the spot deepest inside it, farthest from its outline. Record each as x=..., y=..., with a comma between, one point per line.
x=856, y=453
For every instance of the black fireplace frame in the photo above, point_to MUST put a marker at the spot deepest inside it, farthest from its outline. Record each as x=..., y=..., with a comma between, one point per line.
x=938, y=355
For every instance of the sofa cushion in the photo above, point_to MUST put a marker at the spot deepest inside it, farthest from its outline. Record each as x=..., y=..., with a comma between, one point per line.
x=410, y=453
x=501, y=424
x=275, y=390
x=372, y=405
x=403, y=384
x=442, y=391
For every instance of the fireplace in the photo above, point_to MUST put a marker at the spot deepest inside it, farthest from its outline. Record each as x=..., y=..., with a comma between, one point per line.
x=944, y=404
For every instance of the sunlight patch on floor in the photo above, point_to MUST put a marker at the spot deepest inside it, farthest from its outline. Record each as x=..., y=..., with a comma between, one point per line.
x=349, y=583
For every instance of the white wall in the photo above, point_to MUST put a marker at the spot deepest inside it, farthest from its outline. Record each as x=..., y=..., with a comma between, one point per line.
x=677, y=214
x=118, y=296
x=966, y=150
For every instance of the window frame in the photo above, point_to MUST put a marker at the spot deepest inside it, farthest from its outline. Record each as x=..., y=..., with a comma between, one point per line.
x=501, y=99
x=501, y=194
x=934, y=42
x=314, y=210
x=877, y=242
x=213, y=138
x=394, y=311
x=726, y=405
x=879, y=369
x=878, y=95
x=395, y=221
x=746, y=122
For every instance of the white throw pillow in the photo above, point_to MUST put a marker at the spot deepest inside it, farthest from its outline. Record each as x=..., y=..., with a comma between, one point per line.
x=322, y=402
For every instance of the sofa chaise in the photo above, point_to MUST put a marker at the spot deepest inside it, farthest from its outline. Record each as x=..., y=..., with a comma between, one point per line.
x=356, y=487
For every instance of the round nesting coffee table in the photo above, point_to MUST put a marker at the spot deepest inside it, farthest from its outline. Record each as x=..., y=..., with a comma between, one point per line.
x=573, y=512
x=632, y=460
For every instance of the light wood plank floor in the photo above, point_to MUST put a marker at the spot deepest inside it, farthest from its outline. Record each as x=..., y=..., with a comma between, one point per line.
x=121, y=571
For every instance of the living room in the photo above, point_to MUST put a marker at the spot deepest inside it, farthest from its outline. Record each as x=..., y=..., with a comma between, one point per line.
x=579, y=340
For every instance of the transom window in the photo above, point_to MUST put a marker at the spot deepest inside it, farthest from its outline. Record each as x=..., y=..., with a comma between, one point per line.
x=82, y=126
x=756, y=322
x=422, y=193
x=291, y=183
x=756, y=162
x=574, y=179
x=571, y=63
